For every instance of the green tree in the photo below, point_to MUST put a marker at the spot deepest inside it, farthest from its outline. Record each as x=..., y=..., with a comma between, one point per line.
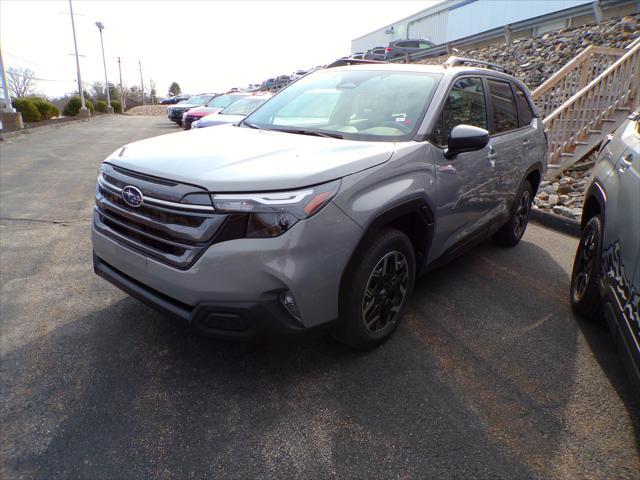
x=174, y=89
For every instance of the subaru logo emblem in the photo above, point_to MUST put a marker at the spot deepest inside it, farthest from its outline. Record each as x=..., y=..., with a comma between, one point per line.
x=132, y=196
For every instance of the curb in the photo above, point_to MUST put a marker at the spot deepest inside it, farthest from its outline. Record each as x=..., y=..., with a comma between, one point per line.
x=556, y=222
x=29, y=131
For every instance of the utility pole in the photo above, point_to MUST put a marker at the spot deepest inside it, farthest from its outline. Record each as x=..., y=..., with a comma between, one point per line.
x=100, y=26
x=83, y=111
x=141, y=82
x=122, y=97
x=11, y=120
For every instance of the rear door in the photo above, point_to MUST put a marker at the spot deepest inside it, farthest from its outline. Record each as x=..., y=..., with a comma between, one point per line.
x=466, y=184
x=621, y=242
x=508, y=141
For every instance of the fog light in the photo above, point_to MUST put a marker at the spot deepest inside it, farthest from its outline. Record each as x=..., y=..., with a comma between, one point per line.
x=287, y=300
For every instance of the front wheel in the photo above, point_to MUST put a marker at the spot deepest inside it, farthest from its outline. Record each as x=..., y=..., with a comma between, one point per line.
x=376, y=290
x=585, y=293
x=511, y=232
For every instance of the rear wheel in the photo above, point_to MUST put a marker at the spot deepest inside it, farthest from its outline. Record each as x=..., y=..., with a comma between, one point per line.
x=375, y=291
x=585, y=293
x=511, y=232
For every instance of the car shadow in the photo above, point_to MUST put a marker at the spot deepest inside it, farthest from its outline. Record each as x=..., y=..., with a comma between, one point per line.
x=476, y=382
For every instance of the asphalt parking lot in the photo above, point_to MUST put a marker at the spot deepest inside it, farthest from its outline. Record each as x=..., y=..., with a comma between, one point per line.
x=489, y=376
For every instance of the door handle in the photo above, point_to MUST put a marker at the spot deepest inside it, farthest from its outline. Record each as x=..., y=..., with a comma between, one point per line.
x=525, y=142
x=491, y=158
x=625, y=163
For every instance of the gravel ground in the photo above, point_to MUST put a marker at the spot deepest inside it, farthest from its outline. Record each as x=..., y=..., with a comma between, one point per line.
x=489, y=376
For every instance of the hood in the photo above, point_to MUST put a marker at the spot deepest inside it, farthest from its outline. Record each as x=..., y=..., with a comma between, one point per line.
x=202, y=111
x=236, y=159
x=217, y=119
x=183, y=106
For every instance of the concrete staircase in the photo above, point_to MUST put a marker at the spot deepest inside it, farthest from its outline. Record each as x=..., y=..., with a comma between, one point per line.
x=586, y=100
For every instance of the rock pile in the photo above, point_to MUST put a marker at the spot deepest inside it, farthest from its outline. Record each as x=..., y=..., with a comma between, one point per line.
x=565, y=196
x=535, y=59
x=148, y=111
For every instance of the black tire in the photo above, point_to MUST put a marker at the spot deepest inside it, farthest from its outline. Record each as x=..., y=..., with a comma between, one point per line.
x=380, y=279
x=585, y=292
x=511, y=232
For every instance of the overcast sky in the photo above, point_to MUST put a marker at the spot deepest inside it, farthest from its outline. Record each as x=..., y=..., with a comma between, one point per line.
x=204, y=46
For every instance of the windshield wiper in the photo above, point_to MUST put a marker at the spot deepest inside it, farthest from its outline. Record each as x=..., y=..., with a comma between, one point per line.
x=315, y=133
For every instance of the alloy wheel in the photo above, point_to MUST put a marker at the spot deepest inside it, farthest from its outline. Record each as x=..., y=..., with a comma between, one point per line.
x=585, y=259
x=385, y=292
x=522, y=214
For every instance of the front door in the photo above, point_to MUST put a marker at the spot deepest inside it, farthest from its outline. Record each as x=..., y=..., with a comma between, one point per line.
x=467, y=183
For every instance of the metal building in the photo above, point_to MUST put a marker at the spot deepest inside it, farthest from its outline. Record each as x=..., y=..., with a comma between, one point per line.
x=470, y=22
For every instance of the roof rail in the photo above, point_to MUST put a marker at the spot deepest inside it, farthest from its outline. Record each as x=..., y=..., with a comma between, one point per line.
x=342, y=62
x=455, y=61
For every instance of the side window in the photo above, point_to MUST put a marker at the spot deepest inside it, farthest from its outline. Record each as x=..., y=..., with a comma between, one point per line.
x=525, y=115
x=464, y=105
x=504, y=107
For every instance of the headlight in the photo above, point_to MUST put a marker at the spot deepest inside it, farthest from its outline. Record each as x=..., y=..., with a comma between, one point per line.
x=195, y=124
x=272, y=214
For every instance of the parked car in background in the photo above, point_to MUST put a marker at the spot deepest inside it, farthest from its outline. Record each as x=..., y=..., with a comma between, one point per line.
x=377, y=53
x=399, y=48
x=298, y=74
x=174, y=100
x=176, y=112
x=324, y=205
x=214, y=106
x=268, y=83
x=357, y=56
x=282, y=81
x=606, y=270
x=234, y=112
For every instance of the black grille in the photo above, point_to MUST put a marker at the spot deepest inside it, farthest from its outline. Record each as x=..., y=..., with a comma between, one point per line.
x=165, y=232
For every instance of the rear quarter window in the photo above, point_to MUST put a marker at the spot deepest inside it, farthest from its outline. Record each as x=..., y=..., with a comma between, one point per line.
x=525, y=114
x=505, y=117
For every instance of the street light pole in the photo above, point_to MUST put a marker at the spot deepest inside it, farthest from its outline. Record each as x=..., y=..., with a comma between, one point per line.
x=83, y=111
x=100, y=26
x=141, y=81
x=11, y=120
x=123, y=99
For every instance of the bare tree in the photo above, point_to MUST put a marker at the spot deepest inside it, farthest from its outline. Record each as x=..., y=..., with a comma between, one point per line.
x=20, y=81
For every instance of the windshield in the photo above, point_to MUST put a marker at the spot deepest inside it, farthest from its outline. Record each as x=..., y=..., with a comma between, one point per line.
x=353, y=104
x=223, y=101
x=199, y=100
x=244, y=106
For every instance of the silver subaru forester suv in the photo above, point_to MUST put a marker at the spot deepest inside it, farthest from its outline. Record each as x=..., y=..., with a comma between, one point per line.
x=324, y=205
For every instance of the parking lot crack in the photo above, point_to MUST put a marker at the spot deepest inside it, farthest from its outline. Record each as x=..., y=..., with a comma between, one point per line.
x=39, y=220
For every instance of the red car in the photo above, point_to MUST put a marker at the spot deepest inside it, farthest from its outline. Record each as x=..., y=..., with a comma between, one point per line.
x=214, y=106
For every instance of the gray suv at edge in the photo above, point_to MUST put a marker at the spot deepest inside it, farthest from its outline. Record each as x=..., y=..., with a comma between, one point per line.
x=324, y=204
x=606, y=269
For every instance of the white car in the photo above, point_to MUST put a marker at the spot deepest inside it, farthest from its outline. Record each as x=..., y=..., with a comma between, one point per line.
x=234, y=112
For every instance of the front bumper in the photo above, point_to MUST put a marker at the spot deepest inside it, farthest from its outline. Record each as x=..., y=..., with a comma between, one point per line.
x=245, y=273
x=263, y=318
x=176, y=116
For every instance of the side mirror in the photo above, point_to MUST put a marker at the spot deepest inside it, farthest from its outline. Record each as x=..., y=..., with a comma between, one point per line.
x=465, y=138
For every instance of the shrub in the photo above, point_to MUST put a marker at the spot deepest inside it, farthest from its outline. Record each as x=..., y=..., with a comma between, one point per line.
x=101, y=106
x=117, y=106
x=28, y=110
x=47, y=109
x=73, y=106
x=89, y=105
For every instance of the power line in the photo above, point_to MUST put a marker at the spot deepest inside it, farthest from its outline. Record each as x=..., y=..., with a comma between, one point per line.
x=20, y=58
